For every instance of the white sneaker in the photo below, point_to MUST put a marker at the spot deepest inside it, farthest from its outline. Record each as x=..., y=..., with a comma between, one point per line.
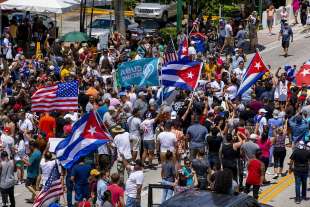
x=269, y=173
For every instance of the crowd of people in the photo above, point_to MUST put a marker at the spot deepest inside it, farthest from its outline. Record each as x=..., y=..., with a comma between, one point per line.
x=210, y=138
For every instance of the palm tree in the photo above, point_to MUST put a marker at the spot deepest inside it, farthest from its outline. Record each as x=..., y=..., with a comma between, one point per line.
x=119, y=16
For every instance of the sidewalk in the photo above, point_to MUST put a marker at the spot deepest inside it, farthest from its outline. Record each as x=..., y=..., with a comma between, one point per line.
x=264, y=38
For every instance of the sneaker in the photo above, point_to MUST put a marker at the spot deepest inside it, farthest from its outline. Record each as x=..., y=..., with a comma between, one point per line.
x=297, y=200
x=18, y=182
x=269, y=173
x=305, y=198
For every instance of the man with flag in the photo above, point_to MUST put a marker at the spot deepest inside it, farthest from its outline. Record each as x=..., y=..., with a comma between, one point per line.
x=87, y=135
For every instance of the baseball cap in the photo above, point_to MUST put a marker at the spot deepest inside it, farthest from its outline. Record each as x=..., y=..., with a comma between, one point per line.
x=262, y=110
x=94, y=172
x=275, y=113
x=112, y=108
x=173, y=115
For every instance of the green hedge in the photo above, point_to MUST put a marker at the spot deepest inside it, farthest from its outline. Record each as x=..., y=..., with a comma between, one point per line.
x=168, y=32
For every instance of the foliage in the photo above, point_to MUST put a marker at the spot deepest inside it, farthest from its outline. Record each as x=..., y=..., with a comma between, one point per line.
x=130, y=4
x=168, y=32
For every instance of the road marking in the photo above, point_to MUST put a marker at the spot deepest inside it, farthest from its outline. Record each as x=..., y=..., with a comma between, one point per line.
x=273, y=191
x=271, y=188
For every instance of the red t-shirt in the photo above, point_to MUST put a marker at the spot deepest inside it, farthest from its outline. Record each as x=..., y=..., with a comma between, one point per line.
x=116, y=193
x=254, y=172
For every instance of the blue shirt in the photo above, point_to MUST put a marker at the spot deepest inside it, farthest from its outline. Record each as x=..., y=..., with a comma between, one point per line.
x=274, y=122
x=197, y=135
x=34, y=160
x=101, y=110
x=81, y=172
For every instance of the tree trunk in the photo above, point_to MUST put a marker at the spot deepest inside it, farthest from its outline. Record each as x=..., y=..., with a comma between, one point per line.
x=119, y=16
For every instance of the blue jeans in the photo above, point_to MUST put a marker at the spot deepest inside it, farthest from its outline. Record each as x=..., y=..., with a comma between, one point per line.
x=167, y=193
x=81, y=192
x=69, y=185
x=301, y=181
x=132, y=202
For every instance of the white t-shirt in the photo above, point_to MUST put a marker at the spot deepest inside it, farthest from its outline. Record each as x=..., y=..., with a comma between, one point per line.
x=281, y=90
x=7, y=143
x=147, y=127
x=46, y=168
x=231, y=91
x=134, y=127
x=228, y=30
x=218, y=86
x=122, y=143
x=261, y=124
x=167, y=141
x=135, y=178
x=25, y=125
x=239, y=73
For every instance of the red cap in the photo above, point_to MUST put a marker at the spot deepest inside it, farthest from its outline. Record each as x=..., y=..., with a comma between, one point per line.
x=7, y=129
x=218, y=76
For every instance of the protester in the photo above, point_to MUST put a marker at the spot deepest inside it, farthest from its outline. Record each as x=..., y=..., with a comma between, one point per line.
x=7, y=180
x=255, y=176
x=168, y=174
x=299, y=166
x=287, y=35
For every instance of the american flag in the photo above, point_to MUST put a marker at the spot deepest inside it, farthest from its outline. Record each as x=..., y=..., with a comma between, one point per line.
x=51, y=191
x=170, y=53
x=60, y=97
x=196, y=22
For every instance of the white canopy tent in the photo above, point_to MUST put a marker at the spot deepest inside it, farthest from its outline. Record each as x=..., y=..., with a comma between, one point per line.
x=48, y=6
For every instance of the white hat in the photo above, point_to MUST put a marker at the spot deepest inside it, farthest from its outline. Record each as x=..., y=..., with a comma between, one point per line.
x=112, y=108
x=173, y=115
x=253, y=136
x=191, y=51
x=275, y=113
x=141, y=93
x=262, y=110
x=308, y=144
x=152, y=102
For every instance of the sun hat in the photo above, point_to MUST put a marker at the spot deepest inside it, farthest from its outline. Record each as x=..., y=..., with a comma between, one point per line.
x=117, y=129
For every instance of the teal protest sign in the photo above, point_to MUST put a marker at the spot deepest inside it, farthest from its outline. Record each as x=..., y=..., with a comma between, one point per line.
x=141, y=72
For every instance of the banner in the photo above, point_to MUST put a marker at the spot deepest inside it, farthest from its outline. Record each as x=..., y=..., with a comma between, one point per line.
x=143, y=72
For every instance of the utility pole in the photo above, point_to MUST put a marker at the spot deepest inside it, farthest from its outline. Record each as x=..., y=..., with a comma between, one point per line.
x=119, y=16
x=179, y=15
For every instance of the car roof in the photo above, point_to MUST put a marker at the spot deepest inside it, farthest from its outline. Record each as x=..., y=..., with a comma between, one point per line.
x=193, y=198
x=108, y=17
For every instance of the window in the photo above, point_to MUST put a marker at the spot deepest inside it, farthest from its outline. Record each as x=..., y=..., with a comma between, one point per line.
x=102, y=23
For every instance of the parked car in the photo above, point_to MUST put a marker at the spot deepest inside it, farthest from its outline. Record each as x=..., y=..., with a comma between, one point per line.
x=195, y=198
x=156, y=9
x=19, y=16
x=148, y=26
x=104, y=24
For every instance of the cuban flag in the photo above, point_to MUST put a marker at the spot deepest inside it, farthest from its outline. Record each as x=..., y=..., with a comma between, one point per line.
x=199, y=40
x=183, y=49
x=166, y=94
x=182, y=74
x=254, y=72
x=87, y=135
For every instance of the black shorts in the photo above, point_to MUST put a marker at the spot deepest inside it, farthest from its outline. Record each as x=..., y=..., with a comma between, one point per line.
x=285, y=44
x=149, y=145
x=31, y=181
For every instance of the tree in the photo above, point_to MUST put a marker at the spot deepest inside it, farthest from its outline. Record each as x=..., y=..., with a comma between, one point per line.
x=119, y=16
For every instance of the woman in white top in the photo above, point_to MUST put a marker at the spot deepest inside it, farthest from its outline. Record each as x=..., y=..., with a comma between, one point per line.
x=284, y=16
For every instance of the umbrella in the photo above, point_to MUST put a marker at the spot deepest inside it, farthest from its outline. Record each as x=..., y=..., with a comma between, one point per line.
x=75, y=37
